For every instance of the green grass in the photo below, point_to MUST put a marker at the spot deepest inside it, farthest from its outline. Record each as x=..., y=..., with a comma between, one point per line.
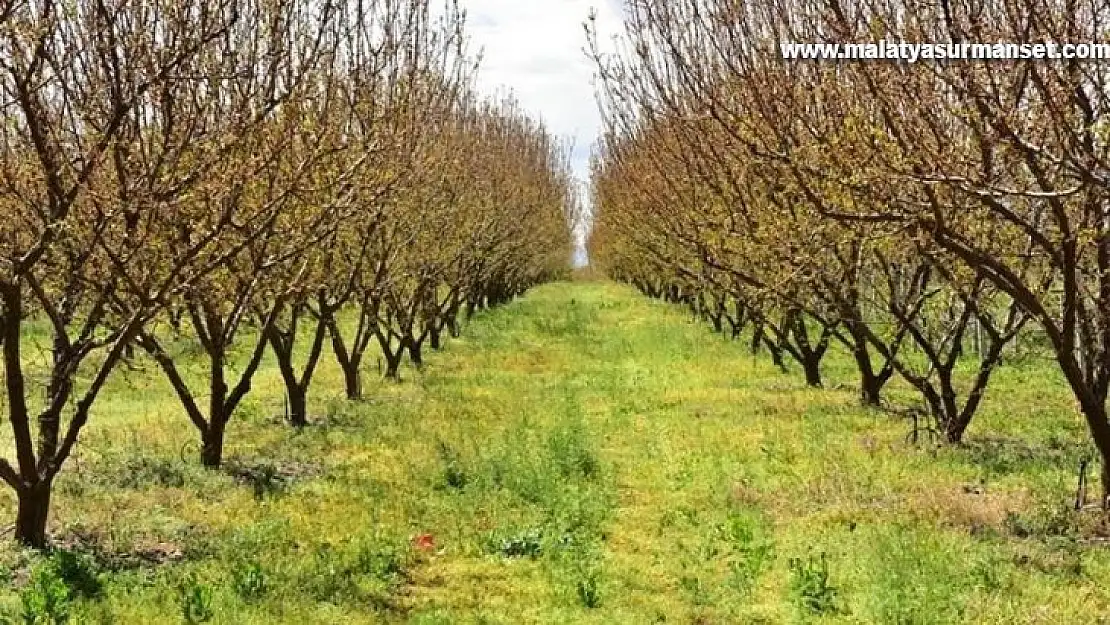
x=581, y=456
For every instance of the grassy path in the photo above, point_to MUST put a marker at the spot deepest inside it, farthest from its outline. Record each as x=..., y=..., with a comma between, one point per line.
x=583, y=455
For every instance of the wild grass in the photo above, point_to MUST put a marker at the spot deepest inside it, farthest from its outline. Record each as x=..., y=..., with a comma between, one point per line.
x=580, y=456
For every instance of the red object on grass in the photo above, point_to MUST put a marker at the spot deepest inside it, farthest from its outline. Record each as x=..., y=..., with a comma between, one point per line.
x=425, y=542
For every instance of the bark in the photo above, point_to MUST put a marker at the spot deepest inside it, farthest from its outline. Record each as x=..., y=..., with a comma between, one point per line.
x=809, y=355
x=212, y=436
x=352, y=382
x=435, y=336
x=812, y=368
x=223, y=400
x=871, y=382
x=212, y=442
x=416, y=352
x=1104, y=456
x=15, y=384
x=350, y=359
x=33, y=495
x=775, y=351
x=298, y=406
x=393, y=365
x=32, y=513
x=283, y=343
x=1093, y=406
x=871, y=386
x=718, y=323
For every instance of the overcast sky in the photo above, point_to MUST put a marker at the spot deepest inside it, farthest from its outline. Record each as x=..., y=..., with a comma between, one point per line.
x=535, y=49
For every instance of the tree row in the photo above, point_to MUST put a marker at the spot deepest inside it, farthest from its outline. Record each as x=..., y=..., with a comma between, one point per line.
x=246, y=178
x=924, y=216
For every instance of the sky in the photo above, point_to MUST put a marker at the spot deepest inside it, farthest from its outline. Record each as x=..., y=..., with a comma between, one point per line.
x=536, y=50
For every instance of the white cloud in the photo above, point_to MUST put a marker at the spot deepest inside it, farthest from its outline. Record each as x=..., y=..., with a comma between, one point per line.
x=535, y=49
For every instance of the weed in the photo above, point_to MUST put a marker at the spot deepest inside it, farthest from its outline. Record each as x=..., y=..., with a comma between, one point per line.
x=454, y=474
x=696, y=588
x=368, y=568
x=263, y=478
x=196, y=601
x=143, y=471
x=572, y=453
x=525, y=544
x=920, y=578
x=47, y=599
x=588, y=588
x=751, y=553
x=809, y=583
x=249, y=580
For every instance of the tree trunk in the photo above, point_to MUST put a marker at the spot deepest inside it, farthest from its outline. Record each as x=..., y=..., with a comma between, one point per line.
x=33, y=510
x=954, y=430
x=350, y=361
x=352, y=380
x=871, y=383
x=212, y=438
x=775, y=348
x=871, y=388
x=212, y=443
x=296, y=387
x=298, y=406
x=812, y=366
x=737, y=328
x=776, y=357
x=1098, y=423
x=393, y=365
x=434, y=335
x=416, y=353
x=955, y=423
x=1105, y=458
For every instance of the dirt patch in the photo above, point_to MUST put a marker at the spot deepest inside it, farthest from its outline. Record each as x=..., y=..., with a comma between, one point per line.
x=971, y=506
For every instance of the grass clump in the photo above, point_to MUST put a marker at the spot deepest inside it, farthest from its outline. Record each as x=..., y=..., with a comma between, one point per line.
x=811, y=587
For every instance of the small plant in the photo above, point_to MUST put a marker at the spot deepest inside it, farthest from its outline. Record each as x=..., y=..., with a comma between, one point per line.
x=369, y=569
x=526, y=544
x=47, y=598
x=55, y=583
x=588, y=587
x=1068, y=552
x=143, y=471
x=454, y=474
x=989, y=576
x=809, y=583
x=263, y=478
x=696, y=588
x=572, y=453
x=196, y=601
x=751, y=553
x=249, y=580
x=382, y=561
x=326, y=578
